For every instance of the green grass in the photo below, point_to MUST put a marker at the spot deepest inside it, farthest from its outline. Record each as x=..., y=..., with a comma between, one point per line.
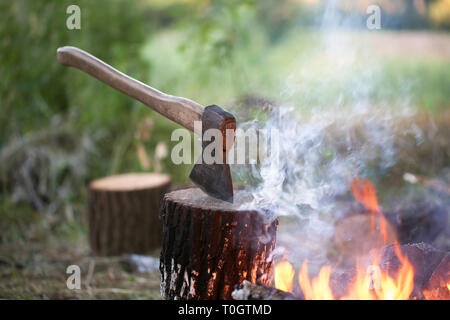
x=296, y=70
x=429, y=82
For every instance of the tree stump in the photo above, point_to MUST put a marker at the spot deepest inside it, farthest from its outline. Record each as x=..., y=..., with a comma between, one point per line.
x=123, y=213
x=209, y=246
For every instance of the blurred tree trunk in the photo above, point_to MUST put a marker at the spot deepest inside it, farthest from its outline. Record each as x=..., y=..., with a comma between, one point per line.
x=123, y=213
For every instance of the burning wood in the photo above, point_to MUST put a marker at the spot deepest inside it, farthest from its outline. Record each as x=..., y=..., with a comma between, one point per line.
x=383, y=268
x=431, y=268
x=414, y=223
x=438, y=286
x=354, y=236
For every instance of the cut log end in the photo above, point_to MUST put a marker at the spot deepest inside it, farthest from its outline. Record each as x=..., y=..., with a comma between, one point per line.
x=130, y=182
x=210, y=246
x=356, y=234
x=196, y=198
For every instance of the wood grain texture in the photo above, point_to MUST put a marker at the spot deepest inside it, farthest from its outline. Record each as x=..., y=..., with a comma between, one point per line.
x=210, y=246
x=123, y=213
x=180, y=110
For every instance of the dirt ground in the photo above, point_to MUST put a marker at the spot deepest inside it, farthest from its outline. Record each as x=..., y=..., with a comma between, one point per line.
x=37, y=270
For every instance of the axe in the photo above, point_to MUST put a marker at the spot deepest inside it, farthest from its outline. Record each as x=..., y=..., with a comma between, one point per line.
x=213, y=178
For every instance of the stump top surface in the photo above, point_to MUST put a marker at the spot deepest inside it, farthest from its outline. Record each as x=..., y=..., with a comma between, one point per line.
x=130, y=181
x=194, y=197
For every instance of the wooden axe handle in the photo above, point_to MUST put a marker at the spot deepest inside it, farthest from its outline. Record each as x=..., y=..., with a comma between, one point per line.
x=181, y=110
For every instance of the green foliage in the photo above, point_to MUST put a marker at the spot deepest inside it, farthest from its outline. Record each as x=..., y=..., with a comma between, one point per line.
x=60, y=128
x=75, y=114
x=428, y=82
x=35, y=86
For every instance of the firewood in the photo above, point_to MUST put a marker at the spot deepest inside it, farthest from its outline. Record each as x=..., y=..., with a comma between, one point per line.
x=426, y=261
x=437, y=287
x=356, y=234
x=123, y=213
x=419, y=222
x=209, y=246
x=251, y=291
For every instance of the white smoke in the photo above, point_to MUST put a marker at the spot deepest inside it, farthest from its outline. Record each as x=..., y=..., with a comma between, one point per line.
x=310, y=165
x=322, y=146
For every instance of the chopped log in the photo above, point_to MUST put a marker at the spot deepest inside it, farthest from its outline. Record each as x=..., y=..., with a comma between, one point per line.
x=209, y=246
x=426, y=261
x=419, y=222
x=415, y=223
x=437, y=287
x=431, y=276
x=357, y=234
x=251, y=291
x=123, y=213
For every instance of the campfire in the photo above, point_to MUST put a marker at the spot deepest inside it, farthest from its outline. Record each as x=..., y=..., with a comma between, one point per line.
x=373, y=276
x=214, y=250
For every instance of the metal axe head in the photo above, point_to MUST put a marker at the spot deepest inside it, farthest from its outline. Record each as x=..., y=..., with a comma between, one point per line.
x=215, y=178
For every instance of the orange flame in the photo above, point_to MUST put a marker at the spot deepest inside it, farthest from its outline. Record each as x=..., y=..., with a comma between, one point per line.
x=373, y=284
x=370, y=283
x=284, y=276
x=364, y=193
x=318, y=288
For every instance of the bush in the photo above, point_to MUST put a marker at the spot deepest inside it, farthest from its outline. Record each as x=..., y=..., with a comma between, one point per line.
x=54, y=119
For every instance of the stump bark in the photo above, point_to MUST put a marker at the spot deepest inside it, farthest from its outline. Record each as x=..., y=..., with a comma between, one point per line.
x=123, y=213
x=210, y=246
